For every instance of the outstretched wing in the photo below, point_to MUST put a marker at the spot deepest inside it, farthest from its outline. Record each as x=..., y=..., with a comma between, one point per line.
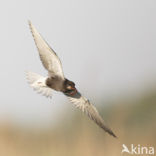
x=49, y=58
x=83, y=104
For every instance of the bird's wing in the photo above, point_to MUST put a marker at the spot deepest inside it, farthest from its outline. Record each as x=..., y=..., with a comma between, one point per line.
x=84, y=104
x=49, y=58
x=37, y=82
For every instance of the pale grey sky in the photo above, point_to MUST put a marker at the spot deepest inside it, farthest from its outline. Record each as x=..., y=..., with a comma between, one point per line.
x=107, y=47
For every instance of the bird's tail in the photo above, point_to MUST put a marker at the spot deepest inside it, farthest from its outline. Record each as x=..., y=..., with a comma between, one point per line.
x=37, y=82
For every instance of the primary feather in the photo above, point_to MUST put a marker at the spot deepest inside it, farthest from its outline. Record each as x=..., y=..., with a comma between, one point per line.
x=84, y=105
x=47, y=55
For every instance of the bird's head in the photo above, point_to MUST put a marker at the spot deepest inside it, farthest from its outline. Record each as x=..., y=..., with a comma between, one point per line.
x=69, y=87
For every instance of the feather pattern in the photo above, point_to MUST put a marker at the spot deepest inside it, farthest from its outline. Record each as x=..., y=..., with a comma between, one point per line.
x=49, y=58
x=85, y=106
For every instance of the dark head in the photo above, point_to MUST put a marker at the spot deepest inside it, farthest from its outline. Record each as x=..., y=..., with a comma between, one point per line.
x=69, y=87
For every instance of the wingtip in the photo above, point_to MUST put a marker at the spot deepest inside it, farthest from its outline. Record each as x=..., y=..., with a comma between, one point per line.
x=32, y=28
x=29, y=22
x=30, y=25
x=112, y=134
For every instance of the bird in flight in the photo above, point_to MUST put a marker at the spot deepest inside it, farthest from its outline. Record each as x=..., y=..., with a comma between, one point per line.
x=58, y=82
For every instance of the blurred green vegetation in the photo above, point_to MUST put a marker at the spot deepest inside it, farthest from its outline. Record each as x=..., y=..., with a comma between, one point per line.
x=133, y=121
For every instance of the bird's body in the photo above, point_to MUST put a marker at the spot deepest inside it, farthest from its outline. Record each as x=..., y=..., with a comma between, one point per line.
x=57, y=84
x=57, y=81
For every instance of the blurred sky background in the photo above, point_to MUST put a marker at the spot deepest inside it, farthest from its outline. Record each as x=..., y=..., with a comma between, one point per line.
x=107, y=47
